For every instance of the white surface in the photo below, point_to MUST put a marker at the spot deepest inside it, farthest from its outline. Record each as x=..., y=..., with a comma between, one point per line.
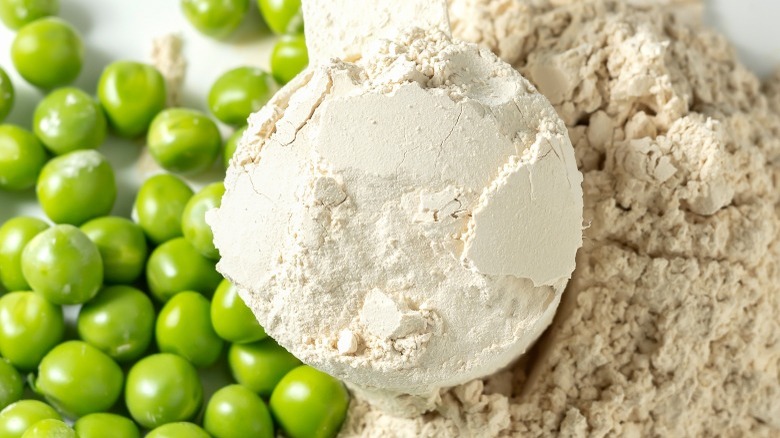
x=122, y=29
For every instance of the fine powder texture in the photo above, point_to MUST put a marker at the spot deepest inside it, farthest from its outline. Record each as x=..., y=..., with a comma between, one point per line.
x=670, y=324
x=373, y=211
x=166, y=56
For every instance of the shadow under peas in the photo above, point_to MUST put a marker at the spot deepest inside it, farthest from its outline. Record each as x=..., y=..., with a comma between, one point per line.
x=253, y=28
x=11, y=203
x=95, y=60
x=123, y=155
x=27, y=98
x=77, y=15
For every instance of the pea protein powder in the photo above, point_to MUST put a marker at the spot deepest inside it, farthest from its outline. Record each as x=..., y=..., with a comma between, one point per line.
x=669, y=325
x=405, y=221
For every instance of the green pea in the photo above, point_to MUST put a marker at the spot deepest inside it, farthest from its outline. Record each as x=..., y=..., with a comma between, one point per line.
x=163, y=388
x=17, y=13
x=159, y=205
x=178, y=430
x=289, y=57
x=79, y=379
x=119, y=322
x=76, y=187
x=240, y=92
x=282, y=16
x=235, y=411
x=63, y=265
x=30, y=326
x=15, y=234
x=184, y=328
x=215, y=18
x=183, y=140
x=50, y=428
x=232, y=144
x=69, y=119
x=260, y=366
x=132, y=94
x=22, y=157
x=309, y=403
x=122, y=246
x=20, y=416
x=193, y=220
x=6, y=95
x=176, y=266
x=102, y=425
x=11, y=384
x=232, y=319
x=48, y=53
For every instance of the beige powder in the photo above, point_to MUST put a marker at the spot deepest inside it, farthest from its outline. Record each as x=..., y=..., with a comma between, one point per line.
x=669, y=326
x=167, y=57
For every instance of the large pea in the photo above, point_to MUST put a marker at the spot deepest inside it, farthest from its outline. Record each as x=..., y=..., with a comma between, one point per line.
x=29, y=327
x=48, y=53
x=69, y=119
x=159, y=206
x=63, y=265
x=11, y=384
x=183, y=140
x=22, y=157
x=102, y=425
x=132, y=94
x=193, y=221
x=15, y=234
x=17, y=13
x=15, y=419
x=176, y=266
x=122, y=246
x=76, y=187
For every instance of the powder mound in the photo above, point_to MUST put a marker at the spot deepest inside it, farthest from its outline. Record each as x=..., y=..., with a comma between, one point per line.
x=374, y=209
x=669, y=326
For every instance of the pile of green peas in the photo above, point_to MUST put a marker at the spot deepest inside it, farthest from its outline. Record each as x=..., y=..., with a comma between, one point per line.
x=151, y=314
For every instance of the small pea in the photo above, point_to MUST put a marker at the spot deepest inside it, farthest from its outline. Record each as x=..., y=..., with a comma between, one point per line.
x=159, y=206
x=7, y=95
x=122, y=246
x=11, y=384
x=15, y=419
x=50, y=428
x=48, y=53
x=261, y=365
x=193, y=221
x=22, y=156
x=235, y=411
x=17, y=13
x=183, y=140
x=69, y=119
x=132, y=94
x=163, y=388
x=232, y=319
x=102, y=425
x=30, y=326
x=240, y=92
x=119, y=322
x=282, y=16
x=63, y=265
x=184, y=328
x=178, y=430
x=76, y=187
x=215, y=18
x=309, y=403
x=289, y=57
x=79, y=379
x=176, y=266
x=15, y=234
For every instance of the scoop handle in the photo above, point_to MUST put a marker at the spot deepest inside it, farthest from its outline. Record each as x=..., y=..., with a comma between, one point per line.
x=341, y=28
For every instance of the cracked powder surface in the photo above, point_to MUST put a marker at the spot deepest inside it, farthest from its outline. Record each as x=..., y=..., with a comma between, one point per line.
x=669, y=326
x=373, y=211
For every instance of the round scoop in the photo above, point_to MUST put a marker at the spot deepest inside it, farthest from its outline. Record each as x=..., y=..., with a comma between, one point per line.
x=407, y=221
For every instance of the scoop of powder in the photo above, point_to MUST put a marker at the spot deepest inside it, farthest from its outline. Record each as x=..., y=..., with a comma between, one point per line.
x=423, y=199
x=669, y=326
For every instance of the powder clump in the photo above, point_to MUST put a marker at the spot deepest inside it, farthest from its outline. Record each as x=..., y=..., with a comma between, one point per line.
x=669, y=326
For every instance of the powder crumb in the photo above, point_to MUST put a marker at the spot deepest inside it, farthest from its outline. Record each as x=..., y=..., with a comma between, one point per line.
x=167, y=57
x=348, y=342
x=669, y=326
